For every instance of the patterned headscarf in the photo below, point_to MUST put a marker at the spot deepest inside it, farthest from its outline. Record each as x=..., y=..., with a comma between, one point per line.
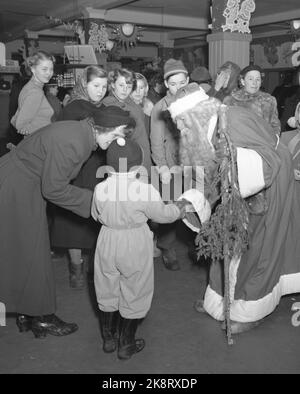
x=80, y=92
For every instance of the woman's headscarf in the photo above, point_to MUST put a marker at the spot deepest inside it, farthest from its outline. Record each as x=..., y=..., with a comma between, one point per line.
x=234, y=76
x=80, y=92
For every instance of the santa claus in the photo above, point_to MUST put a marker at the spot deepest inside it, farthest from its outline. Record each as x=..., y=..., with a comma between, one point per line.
x=269, y=267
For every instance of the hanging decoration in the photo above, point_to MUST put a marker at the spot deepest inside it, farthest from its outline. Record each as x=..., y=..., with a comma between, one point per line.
x=271, y=51
x=98, y=37
x=127, y=34
x=102, y=36
x=238, y=16
x=66, y=24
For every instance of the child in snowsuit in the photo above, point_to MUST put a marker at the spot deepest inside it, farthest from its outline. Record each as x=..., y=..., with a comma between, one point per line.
x=124, y=277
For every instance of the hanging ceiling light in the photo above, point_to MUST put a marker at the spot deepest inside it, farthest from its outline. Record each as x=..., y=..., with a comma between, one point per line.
x=127, y=34
x=295, y=26
x=127, y=29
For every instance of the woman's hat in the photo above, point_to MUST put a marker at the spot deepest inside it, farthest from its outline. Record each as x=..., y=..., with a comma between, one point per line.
x=123, y=154
x=112, y=116
x=252, y=67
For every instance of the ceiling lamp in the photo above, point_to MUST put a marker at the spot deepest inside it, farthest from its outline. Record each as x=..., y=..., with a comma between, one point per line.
x=127, y=34
x=295, y=26
x=127, y=29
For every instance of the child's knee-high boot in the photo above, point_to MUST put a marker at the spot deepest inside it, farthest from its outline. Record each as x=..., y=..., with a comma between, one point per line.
x=109, y=327
x=128, y=345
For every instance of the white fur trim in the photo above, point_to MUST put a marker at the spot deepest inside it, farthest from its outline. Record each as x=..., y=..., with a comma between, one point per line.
x=292, y=122
x=200, y=205
x=211, y=129
x=233, y=268
x=250, y=172
x=187, y=102
x=250, y=311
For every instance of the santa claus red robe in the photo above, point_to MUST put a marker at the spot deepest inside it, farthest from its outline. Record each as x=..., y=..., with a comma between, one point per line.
x=271, y=266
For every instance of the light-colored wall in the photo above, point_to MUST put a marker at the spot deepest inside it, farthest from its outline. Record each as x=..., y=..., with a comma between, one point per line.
x=56, y=47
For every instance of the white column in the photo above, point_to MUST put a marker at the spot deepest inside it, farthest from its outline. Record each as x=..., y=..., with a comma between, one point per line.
x=2, y=54
x=228, y=46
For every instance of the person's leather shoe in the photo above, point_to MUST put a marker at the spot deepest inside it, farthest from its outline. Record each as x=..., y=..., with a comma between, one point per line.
x=51, y=324
x=170, y=260
x=23, y=322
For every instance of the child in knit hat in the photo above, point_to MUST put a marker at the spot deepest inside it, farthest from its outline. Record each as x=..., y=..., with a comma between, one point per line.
x=164, y=141
x=124, y=279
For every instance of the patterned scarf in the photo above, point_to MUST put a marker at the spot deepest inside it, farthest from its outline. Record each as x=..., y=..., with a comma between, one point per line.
x=80, y=92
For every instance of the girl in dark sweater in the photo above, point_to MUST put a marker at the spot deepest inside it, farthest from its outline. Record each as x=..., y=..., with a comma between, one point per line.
x=69, y=230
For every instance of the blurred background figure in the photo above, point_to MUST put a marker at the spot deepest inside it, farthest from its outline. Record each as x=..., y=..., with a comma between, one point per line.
x=139, y=96
x=51, y=91
x=291, y=101
x=226, y=81
x=284, y=90
x=157, y=89
x=202, y=77
x=64, y=95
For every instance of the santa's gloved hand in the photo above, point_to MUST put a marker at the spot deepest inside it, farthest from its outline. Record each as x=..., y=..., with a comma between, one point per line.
x=184, y=206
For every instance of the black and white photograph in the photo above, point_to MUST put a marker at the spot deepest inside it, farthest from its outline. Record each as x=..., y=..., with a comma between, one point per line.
x=149, y=190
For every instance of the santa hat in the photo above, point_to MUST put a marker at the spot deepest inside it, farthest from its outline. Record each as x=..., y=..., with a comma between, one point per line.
x=200, y=211
x=123, y=154
x=187, y=98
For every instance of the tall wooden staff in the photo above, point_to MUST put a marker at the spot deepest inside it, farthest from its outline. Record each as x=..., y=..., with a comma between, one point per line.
x=230, y=197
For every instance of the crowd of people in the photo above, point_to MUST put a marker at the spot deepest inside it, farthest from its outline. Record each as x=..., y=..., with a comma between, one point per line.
x=52, y=193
